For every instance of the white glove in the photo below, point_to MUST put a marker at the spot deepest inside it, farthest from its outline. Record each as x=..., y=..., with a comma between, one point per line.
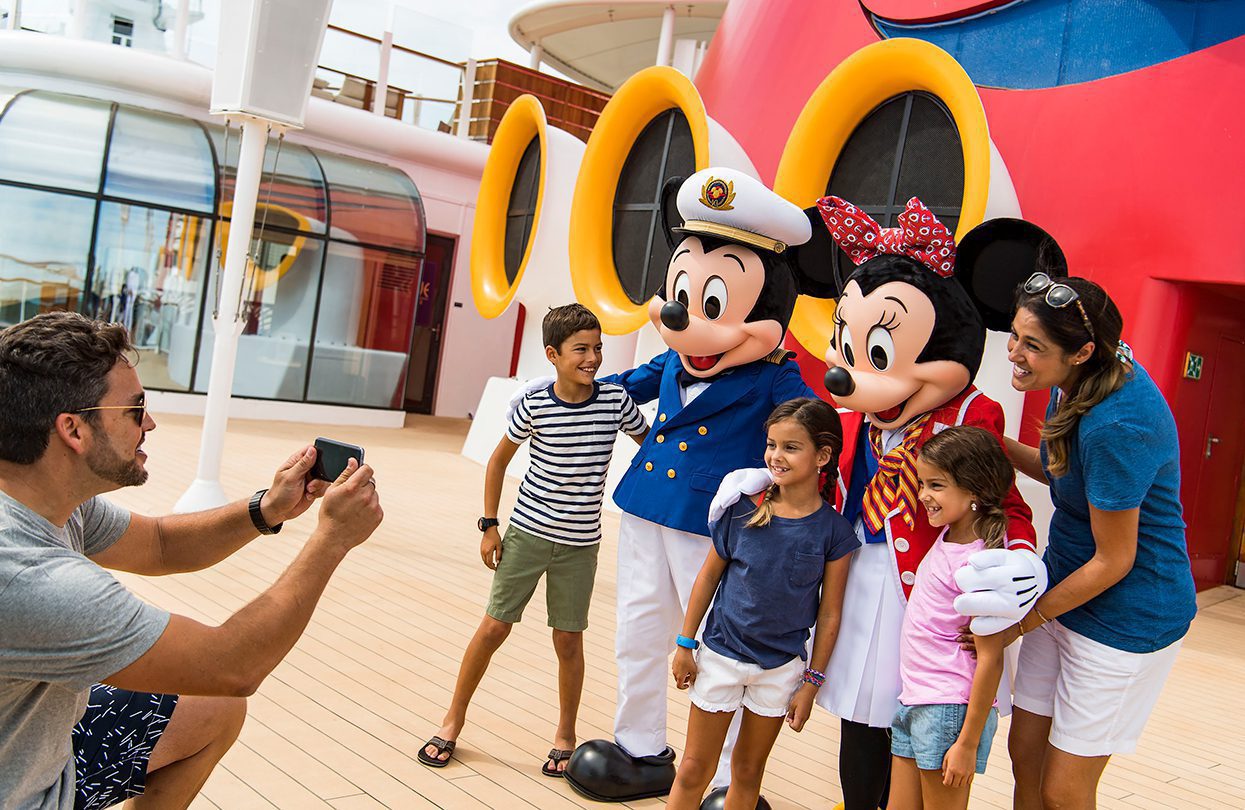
x=1000, y=586
x=527, y=388
x=734, y=484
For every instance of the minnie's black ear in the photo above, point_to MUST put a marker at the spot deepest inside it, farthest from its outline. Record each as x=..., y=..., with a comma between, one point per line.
x=670, y=218
x=815, y=262
x=999, y=255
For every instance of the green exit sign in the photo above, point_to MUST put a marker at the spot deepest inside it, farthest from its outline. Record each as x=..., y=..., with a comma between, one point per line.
x=1192, y=366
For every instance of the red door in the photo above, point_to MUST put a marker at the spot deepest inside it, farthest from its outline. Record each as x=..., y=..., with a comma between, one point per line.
x=1222, y=454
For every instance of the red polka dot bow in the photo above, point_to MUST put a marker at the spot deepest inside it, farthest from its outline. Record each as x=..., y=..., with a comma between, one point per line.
x=919, y=235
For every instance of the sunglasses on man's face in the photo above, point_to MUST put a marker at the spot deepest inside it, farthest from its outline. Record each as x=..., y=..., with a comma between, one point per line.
x=139, y=410
x=1058, y=296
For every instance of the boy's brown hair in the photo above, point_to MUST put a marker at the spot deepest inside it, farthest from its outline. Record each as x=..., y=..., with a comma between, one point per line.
x=562, y=322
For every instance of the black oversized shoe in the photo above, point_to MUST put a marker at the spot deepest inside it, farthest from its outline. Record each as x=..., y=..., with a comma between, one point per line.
x=716, y=800
x=602, y=770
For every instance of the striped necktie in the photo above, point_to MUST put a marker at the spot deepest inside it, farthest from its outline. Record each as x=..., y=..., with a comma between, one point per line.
x=895, y=483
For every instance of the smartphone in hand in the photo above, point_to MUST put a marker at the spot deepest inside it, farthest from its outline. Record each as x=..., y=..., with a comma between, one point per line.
x=331, y=458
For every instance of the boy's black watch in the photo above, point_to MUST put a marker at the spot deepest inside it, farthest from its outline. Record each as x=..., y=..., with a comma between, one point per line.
x=485, y=524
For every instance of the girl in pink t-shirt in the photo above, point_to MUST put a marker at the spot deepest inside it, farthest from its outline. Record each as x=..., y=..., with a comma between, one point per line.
x=942, y=732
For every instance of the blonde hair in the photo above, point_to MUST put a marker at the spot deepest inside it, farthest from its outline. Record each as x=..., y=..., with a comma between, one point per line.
x=822, y=424
x=1101, y=375
x=975, y=462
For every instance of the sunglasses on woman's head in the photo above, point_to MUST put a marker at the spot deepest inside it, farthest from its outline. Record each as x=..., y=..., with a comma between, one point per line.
x=1058, y=296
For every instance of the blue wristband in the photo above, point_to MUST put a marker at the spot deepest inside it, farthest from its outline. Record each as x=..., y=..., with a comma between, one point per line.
x=686, y=643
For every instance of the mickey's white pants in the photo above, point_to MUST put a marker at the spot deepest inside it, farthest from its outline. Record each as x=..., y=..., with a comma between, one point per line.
x=657, y=567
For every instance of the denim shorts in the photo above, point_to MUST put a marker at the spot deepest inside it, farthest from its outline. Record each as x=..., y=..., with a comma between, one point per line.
x=926, y=733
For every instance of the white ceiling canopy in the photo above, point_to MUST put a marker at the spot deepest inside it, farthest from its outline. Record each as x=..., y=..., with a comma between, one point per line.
x=601, y=43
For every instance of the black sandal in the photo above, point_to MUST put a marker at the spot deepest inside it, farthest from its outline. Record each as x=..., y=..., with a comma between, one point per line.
x=556, y=755
x=442, y=746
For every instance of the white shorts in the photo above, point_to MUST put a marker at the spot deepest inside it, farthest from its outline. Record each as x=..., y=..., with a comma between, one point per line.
x=1098, y=698
x=724, y=684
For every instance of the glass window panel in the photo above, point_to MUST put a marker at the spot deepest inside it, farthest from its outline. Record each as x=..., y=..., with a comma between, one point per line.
x=295, y=196
x=278, y=307
x=373, y=203
x=45, y=239
x=148, y=275
x=862, y=174
x=363, y=331
x=54, y=140
x=933, y=160
x=161, y=159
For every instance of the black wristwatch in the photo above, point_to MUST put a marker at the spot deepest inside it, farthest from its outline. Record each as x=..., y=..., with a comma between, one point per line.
x=257, y=516
x=484, y=524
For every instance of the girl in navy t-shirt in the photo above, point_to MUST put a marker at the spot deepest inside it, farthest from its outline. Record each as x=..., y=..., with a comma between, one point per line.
x=767, y=568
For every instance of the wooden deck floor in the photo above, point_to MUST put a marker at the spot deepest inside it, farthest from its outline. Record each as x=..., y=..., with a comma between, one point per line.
x=338, y=723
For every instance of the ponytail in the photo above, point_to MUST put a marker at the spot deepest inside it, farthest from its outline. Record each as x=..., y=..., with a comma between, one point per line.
x=821, y=421
x=974, y=460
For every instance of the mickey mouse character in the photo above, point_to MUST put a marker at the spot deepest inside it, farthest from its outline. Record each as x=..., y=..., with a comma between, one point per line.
x=909, y=332
x=741, y=255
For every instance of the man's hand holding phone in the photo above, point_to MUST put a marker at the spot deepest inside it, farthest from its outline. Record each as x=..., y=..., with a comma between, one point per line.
x=351, y=509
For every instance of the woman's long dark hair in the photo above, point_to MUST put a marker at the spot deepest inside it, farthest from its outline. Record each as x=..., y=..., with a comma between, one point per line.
x=823, y=426
x=1098, y=377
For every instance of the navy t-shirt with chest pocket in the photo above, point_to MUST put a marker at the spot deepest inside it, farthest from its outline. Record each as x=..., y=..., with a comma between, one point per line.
x=769, y=593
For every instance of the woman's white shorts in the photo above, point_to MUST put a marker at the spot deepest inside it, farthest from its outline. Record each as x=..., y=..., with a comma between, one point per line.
x=724, y=684
x=1098, y=698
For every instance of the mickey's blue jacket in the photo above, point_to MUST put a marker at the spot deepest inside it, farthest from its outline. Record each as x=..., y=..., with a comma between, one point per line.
x=676, y=472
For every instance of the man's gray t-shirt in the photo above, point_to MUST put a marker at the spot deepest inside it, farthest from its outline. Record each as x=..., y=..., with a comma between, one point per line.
x=65, y=623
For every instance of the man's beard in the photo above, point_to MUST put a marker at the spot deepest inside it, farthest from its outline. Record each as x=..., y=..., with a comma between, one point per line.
x=104, y=460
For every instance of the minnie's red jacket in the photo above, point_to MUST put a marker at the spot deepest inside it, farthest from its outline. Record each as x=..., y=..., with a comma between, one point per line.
x=909, y=546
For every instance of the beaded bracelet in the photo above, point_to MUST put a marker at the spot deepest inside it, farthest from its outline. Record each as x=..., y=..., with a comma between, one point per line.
x=814, y=677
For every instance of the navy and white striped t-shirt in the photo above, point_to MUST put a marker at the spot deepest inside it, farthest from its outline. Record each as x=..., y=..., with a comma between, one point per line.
x=560, y=497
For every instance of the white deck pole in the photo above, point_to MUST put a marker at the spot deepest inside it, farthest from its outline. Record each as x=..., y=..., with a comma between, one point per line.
x=469, y=89
x=536, y=56
x=380, y=100
x=179, y=29
x=665, y=41
x=15, y=15
x=206, y=491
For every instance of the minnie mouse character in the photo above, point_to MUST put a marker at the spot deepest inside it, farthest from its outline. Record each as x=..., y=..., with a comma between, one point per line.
x=741, y=255
x=909, y=332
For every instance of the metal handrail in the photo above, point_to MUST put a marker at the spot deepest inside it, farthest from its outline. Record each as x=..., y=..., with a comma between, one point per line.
x=395, y=46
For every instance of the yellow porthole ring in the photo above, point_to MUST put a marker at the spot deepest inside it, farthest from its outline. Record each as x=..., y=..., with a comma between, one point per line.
x=523, y=121
x=261, y=277
x=637, y=102
x=854, y=89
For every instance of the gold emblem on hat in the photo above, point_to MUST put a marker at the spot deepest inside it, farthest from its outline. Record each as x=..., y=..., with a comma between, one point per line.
x=718, y=194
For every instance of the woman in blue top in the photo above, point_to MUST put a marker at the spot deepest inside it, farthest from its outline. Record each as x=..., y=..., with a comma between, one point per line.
x=777, y=569
x=1099, y=644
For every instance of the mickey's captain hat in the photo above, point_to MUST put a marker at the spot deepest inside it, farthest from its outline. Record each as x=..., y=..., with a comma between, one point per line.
x=729, y=204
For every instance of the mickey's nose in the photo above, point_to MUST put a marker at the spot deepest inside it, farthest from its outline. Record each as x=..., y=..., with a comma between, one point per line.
x=838, y=381
x=674, y=316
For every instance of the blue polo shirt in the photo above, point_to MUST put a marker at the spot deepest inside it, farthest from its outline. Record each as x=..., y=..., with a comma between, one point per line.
x=1125, y=455
x=770, y=591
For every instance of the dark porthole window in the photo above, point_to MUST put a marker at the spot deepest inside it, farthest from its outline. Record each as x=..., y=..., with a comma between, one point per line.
x=521, y=209
x=663, y=150
x=907, y=147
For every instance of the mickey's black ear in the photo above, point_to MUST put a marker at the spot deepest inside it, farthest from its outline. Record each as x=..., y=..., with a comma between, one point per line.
x=670, y=218
x=816, y=260
x=996, y=257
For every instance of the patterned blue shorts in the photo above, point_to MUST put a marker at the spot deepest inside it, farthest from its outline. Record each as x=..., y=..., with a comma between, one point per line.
x=112, y=743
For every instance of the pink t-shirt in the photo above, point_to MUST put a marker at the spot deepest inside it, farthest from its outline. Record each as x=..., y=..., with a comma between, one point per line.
x=932, y=667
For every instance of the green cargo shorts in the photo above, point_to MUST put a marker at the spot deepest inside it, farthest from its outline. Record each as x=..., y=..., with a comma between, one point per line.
x=568, y=586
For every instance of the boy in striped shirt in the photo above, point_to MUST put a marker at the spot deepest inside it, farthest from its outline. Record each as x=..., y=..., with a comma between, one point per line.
x=555, y=528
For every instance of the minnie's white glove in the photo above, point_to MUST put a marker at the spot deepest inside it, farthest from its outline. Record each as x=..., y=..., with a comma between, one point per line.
x=737, y=483
x=1000, y=586
x=527, y=388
